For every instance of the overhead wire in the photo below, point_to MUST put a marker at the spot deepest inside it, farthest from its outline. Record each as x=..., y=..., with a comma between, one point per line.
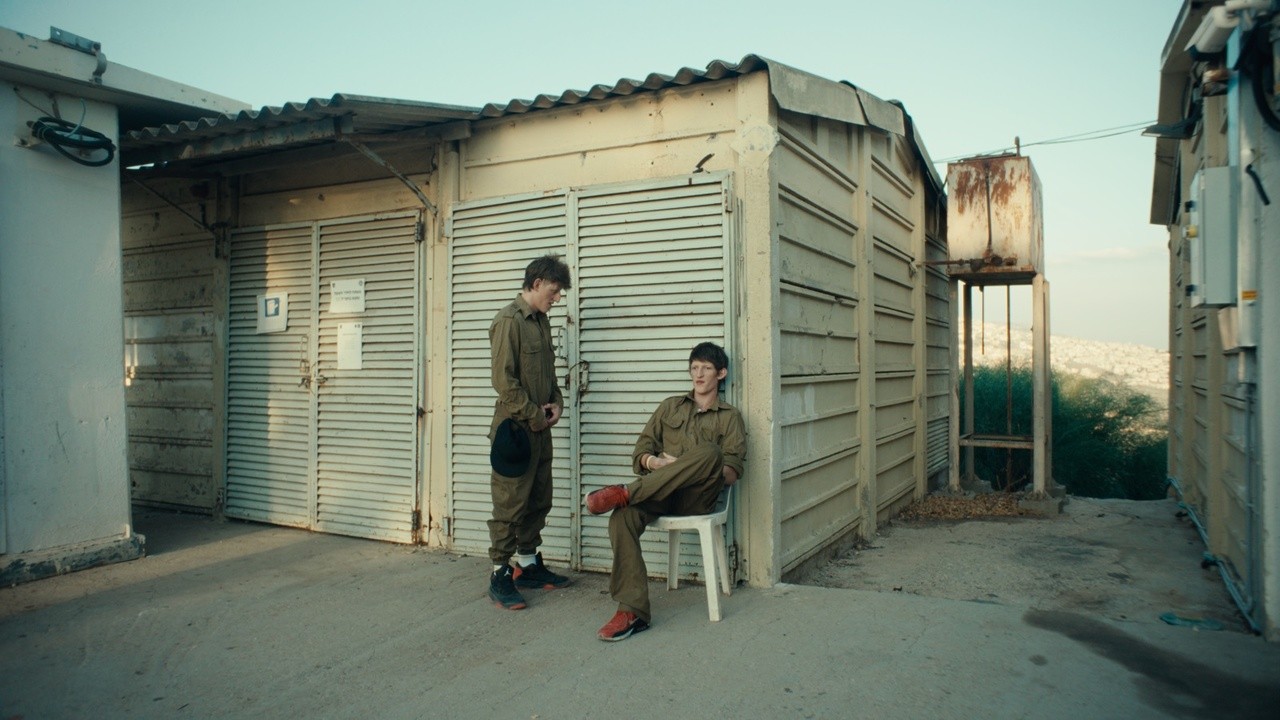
x=1086, y=136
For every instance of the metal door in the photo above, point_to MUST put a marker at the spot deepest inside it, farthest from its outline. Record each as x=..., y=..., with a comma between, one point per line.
x=652, y=283
x=651, y=279
x=491, y=242
x=322, y=417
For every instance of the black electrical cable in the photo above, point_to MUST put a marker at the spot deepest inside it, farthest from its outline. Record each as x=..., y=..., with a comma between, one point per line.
x=62, y=135
x=1257, y=183
x=1261, y=79
x=1257, y=62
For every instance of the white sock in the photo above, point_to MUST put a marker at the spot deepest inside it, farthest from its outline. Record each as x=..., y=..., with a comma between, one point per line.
x=526, y=560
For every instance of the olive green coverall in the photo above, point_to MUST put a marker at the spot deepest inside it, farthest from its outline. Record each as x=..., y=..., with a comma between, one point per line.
x=704, y=442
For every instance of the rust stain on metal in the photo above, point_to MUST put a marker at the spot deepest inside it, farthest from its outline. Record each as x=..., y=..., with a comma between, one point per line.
x=981, y=179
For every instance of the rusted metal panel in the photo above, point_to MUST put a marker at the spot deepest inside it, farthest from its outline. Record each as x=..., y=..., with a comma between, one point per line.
x=995, y=220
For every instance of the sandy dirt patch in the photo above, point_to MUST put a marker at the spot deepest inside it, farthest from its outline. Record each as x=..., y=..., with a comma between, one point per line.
x=1120, y=559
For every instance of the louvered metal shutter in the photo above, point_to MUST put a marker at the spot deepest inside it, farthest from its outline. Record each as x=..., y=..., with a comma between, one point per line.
x=652, y=284
x=366, y=419
x=308, y=444
x=492, y=242
x=269, y=451
x=938, y=438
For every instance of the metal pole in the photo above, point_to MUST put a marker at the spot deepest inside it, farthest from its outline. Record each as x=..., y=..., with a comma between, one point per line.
x=968, y=380
x=1039, y=385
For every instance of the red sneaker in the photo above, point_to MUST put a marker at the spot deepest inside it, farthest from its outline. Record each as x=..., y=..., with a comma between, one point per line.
x=622, y=626
x=607, y=498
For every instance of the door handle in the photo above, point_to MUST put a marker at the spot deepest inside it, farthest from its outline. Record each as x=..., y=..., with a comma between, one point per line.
x=584, y=377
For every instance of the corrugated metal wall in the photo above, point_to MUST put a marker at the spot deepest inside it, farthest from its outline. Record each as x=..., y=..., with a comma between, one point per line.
x=173, y=358
x=1207, y=423
x=937, y=342
x=1207, y=413
x=895, y=220
x=851, y=238
x=820, y=294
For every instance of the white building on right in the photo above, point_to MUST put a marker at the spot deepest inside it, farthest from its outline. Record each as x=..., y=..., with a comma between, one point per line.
x=1217, y=189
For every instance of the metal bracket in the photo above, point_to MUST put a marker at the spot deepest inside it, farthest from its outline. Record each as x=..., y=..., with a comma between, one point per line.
x=58, y=36
x=210, y=229
x=364, y=150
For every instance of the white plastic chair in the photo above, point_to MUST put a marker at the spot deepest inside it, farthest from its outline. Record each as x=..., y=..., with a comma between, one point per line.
x=715, y=562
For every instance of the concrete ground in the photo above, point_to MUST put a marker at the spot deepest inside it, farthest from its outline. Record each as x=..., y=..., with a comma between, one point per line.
x=238, y=620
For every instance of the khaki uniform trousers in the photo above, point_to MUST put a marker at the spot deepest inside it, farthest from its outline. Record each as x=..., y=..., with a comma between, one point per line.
x=521, y=505
x=688, y=486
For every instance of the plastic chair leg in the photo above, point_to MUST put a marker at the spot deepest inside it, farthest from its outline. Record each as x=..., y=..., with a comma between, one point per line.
x=722, y=562
x=711, y=558
x=673, y=559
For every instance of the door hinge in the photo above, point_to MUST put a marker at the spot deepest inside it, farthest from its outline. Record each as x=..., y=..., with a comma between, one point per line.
x=448, y=227
x=419, y=231
x=446, y=524
x=416, y=520
x=727, y=196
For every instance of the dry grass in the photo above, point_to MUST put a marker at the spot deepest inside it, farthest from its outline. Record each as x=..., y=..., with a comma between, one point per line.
x=943, y=507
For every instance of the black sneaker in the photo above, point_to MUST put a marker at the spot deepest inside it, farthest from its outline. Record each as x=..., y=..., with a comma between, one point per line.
x=502, y=590
x=538, y=576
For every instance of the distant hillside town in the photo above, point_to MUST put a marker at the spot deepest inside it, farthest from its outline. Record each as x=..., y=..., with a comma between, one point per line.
x=1140, y=367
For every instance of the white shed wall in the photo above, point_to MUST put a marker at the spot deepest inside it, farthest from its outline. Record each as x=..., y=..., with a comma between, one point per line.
x=64, y=479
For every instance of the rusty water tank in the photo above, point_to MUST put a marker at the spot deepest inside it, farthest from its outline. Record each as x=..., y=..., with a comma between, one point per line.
x=995, y=220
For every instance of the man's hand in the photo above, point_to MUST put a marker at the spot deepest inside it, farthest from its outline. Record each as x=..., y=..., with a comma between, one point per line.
x=553, y=413
x=730, y=475
x=662, y=460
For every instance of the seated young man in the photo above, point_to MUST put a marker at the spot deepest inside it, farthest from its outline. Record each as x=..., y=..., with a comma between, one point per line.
x=691, y=448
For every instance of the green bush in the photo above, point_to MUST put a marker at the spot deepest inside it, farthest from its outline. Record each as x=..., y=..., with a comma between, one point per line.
x=1108, y=441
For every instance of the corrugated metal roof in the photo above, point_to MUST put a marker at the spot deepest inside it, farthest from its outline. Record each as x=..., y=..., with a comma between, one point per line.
x=359, y=115
x=715, y=70
x=372, y=115
x=318, y=121
x=863, y=107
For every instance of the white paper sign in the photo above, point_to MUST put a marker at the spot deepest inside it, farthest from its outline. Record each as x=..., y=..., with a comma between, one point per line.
x=273, y=312
x=350, y=340
x=346, y=297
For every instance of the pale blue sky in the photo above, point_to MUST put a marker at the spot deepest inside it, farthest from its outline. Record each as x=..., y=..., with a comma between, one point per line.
x=972, y=74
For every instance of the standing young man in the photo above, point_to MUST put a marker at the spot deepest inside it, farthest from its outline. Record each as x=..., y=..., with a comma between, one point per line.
x=523, y=374
x=691, y=448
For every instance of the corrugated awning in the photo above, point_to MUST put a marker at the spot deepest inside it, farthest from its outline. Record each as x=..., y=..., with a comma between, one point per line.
x=293, y=125
x=1175, y=84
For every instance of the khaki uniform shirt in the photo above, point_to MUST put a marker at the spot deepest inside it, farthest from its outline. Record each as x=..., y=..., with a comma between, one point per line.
x=523, y=365
x=677, y=426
